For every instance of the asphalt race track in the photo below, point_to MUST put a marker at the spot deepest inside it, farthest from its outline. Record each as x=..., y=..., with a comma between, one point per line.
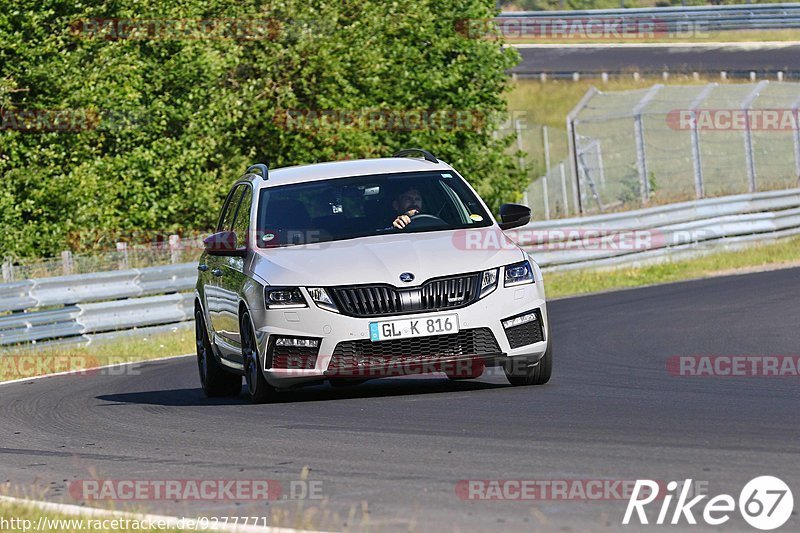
x=612, y=411
x=657, y=58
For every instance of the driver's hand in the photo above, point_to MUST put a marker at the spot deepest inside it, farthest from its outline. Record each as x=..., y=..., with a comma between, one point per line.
x=405, y=219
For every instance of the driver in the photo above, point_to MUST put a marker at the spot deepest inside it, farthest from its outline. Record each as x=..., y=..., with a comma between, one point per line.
x=408, y=203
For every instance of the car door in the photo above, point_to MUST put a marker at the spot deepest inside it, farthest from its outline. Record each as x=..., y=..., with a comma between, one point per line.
x=215, y=300
x=232, y=279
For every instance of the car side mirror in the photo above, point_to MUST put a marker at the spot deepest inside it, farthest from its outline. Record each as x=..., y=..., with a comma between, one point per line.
x=223, y=243
x=514, y=216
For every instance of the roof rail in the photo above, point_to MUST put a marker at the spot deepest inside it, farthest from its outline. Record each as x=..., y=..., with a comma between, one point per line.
x=259, y=169
x=410, y=151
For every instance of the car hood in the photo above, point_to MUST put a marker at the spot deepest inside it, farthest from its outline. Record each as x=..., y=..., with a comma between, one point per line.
x=381, y=259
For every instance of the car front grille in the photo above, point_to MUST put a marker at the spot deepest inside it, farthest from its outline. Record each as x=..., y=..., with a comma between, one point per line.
x=433, y=295
x=418, y=350
x=525, y=334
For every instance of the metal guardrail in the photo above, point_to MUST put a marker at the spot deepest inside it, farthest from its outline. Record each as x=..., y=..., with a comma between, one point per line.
x=106, y=304
x=674, y=19
x=662, y=233
x=82, y=288
x=96, y=303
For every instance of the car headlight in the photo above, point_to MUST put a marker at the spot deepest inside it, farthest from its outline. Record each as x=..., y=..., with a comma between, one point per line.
x=518, y=274
x=488, y=282
x=283, y=298
x=321, y=297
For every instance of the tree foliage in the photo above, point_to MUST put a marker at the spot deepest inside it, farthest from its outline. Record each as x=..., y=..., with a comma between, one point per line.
x=175, y=119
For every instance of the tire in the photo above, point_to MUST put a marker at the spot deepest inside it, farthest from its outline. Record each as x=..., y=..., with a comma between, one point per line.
x=522, y=375
x=215, y=380
x=257, y=387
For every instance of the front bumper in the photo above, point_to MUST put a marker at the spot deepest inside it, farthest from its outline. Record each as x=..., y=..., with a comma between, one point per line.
x=332, y=329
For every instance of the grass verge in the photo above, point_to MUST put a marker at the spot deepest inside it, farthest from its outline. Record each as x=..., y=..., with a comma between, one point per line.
x=30, y=361
x=548, y=103
x=21, y=518
x=781, y=254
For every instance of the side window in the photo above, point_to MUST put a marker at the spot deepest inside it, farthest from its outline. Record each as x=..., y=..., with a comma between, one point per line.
x=228, y=212
x=242, y=223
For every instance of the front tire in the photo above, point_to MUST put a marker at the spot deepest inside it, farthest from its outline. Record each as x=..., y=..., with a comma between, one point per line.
x=215, y=380
x=257, y=387
x=520, y=374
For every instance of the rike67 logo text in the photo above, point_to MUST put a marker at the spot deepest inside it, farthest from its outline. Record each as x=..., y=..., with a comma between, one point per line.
x=765, y=503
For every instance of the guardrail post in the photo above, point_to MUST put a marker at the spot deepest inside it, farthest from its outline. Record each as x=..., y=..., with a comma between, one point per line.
x=565, y=196
x=641, y=154
x=8, y=270
x=796, y=138
x=748, y=134
x=66, y=262
x=174, y=248
x=573, y=151
x=122, y=248
x=699, y=185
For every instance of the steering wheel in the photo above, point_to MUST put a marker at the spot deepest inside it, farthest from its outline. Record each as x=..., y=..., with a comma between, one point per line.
x=426, y=219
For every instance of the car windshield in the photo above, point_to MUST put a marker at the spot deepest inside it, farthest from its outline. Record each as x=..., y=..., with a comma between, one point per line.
x=347, y=208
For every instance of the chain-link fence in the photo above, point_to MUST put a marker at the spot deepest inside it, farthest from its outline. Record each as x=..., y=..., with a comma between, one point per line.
x=124, y=257
x=668, y=144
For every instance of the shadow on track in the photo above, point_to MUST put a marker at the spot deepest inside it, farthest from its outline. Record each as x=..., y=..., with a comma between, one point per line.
x=316, y=393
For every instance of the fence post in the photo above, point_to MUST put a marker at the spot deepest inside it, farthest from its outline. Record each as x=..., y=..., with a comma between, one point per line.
x=748, y=134
x=546, y=141
x=521, y=159
x=564, y=187
x=573, y=150
x=8, y=270
x=66, y=262
x=796, y=138
x=641, y=155
x=546, y=198
x=174, y=248
x=122, y=248
x=601, y=169
x=697, y=161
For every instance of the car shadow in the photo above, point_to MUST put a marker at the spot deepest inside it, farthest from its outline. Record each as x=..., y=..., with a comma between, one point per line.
x=316, y=393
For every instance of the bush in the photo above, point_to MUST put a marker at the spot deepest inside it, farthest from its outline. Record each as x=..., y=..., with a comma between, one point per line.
x=171, y=123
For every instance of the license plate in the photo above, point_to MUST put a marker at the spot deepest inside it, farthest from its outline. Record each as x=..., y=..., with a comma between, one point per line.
x=413, y=327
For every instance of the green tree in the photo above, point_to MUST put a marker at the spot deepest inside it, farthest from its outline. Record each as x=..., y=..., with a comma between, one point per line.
x=173, y=121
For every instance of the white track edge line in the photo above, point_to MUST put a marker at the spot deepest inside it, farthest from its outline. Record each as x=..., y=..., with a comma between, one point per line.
x=93, y=369
x=171, y=521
